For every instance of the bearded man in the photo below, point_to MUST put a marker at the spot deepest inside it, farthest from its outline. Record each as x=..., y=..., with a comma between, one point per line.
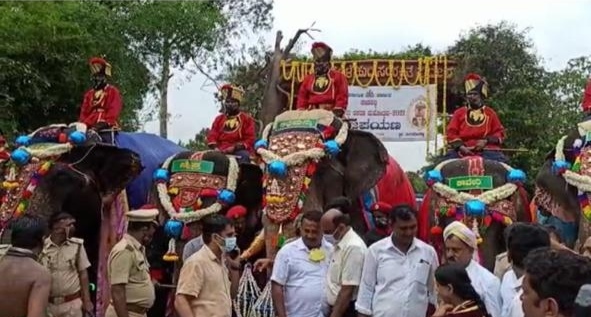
x=233, y=131
x=102, y=104
x=475, y=129
x=326, y=88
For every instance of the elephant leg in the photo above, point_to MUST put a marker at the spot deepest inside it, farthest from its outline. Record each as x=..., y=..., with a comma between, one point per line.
x=493, y=244
x=273, y=232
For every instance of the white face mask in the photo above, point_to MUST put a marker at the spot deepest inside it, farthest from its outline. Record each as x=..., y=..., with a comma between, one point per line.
x=330, y=238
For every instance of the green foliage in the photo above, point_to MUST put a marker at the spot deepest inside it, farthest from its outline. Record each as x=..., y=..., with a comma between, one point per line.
x=418, y=183
x=169, y=34
x=199, y=143
x=45, y=48
x=534, y=105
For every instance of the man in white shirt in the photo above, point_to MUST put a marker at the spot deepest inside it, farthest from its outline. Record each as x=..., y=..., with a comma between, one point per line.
x=346, y=265
x=398, y=272
x=299, y=271
x=521, y=240
x=460, y=245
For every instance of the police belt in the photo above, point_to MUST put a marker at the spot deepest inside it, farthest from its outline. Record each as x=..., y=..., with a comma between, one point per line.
x=57, y=300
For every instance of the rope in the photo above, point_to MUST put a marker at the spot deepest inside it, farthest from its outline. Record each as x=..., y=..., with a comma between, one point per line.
x=248, y=293
x=263, y=307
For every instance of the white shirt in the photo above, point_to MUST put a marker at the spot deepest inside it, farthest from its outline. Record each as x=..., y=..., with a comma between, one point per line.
x=513, y=306
x=192, y=246
x=488, y=286
x=302, y=279
x=346, y=265
x=394, y=283
x=508, y=291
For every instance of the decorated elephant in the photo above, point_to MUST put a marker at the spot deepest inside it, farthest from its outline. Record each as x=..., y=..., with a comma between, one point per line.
x=191, y=185
x=563, y=186
x=57, y=168
x=312, y=157
x=486, y=195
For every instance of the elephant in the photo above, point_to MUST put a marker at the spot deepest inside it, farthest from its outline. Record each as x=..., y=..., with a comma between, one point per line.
x=312, y=157
x=199, y=184
x=497, y=198
x=85, y=180
x=557, y=197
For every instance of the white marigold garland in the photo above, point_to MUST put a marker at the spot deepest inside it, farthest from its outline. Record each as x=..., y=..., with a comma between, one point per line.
x=488, y=197
x=191, y=216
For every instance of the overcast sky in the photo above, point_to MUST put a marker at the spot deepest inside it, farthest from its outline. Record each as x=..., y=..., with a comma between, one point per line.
x=560, y=30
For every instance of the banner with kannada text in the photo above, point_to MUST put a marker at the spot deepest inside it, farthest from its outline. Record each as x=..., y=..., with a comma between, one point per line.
x=402, y=114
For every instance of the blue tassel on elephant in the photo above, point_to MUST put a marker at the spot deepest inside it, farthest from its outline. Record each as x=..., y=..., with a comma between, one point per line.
x=475, y=208
x=560, y=166
x=278, y=168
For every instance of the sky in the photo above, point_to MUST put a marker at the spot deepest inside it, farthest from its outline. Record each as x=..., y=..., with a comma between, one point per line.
x=560, y=30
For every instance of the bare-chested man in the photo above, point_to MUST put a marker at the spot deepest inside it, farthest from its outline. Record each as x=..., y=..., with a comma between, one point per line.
x=24, y=281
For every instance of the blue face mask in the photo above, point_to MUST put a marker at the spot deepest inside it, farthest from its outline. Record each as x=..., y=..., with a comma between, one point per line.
x=229, y=244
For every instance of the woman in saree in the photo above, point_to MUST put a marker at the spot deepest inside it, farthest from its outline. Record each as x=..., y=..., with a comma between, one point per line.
x=459, y=299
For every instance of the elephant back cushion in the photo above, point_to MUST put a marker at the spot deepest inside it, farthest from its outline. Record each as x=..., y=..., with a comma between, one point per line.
x=293, y=145
x=191, y=185
x=475, y=191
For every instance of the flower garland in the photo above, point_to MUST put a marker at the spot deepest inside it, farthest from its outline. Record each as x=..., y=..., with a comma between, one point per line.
x=474, y=205
x=187, y=215
x=28, y=190
x=174, y=226
x=571, y=174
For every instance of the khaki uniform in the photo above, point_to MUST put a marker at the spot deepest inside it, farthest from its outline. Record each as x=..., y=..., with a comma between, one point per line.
x=128, y=265
x=65, y=262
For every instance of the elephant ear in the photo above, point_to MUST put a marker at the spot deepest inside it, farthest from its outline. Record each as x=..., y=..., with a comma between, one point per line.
x=111, y=168
x=365, y=159
x=249, y=190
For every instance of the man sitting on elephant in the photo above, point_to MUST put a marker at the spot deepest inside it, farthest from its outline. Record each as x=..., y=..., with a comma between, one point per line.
x=233, y=131
x=475, y=129
x=326, y=88
x=102, y=104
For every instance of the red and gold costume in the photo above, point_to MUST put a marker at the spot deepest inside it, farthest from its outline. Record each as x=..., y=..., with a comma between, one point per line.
x=328, y=91
x=469, y=125
x=101, y=105
x=232, y=132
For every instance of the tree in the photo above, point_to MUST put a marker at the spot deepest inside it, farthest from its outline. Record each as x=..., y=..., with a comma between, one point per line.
x=535, y=106
x=44, y=49
x=418, y=184
x=170, y=34
x=199, y=143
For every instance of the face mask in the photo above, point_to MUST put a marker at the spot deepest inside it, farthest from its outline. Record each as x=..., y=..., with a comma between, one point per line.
x=229, y=244
x=331, y=238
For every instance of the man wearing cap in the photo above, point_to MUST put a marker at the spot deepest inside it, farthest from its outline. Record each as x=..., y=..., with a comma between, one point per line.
x=233, y=131
x=380, y=211
x=475, y=129
x=102, y=104
x=66, y=259
x=460, y=247
x=326, y=88
x=132, y=290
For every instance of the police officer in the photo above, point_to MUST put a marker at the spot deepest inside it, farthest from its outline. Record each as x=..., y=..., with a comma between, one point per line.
x=132, y=290
x=67, y=262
